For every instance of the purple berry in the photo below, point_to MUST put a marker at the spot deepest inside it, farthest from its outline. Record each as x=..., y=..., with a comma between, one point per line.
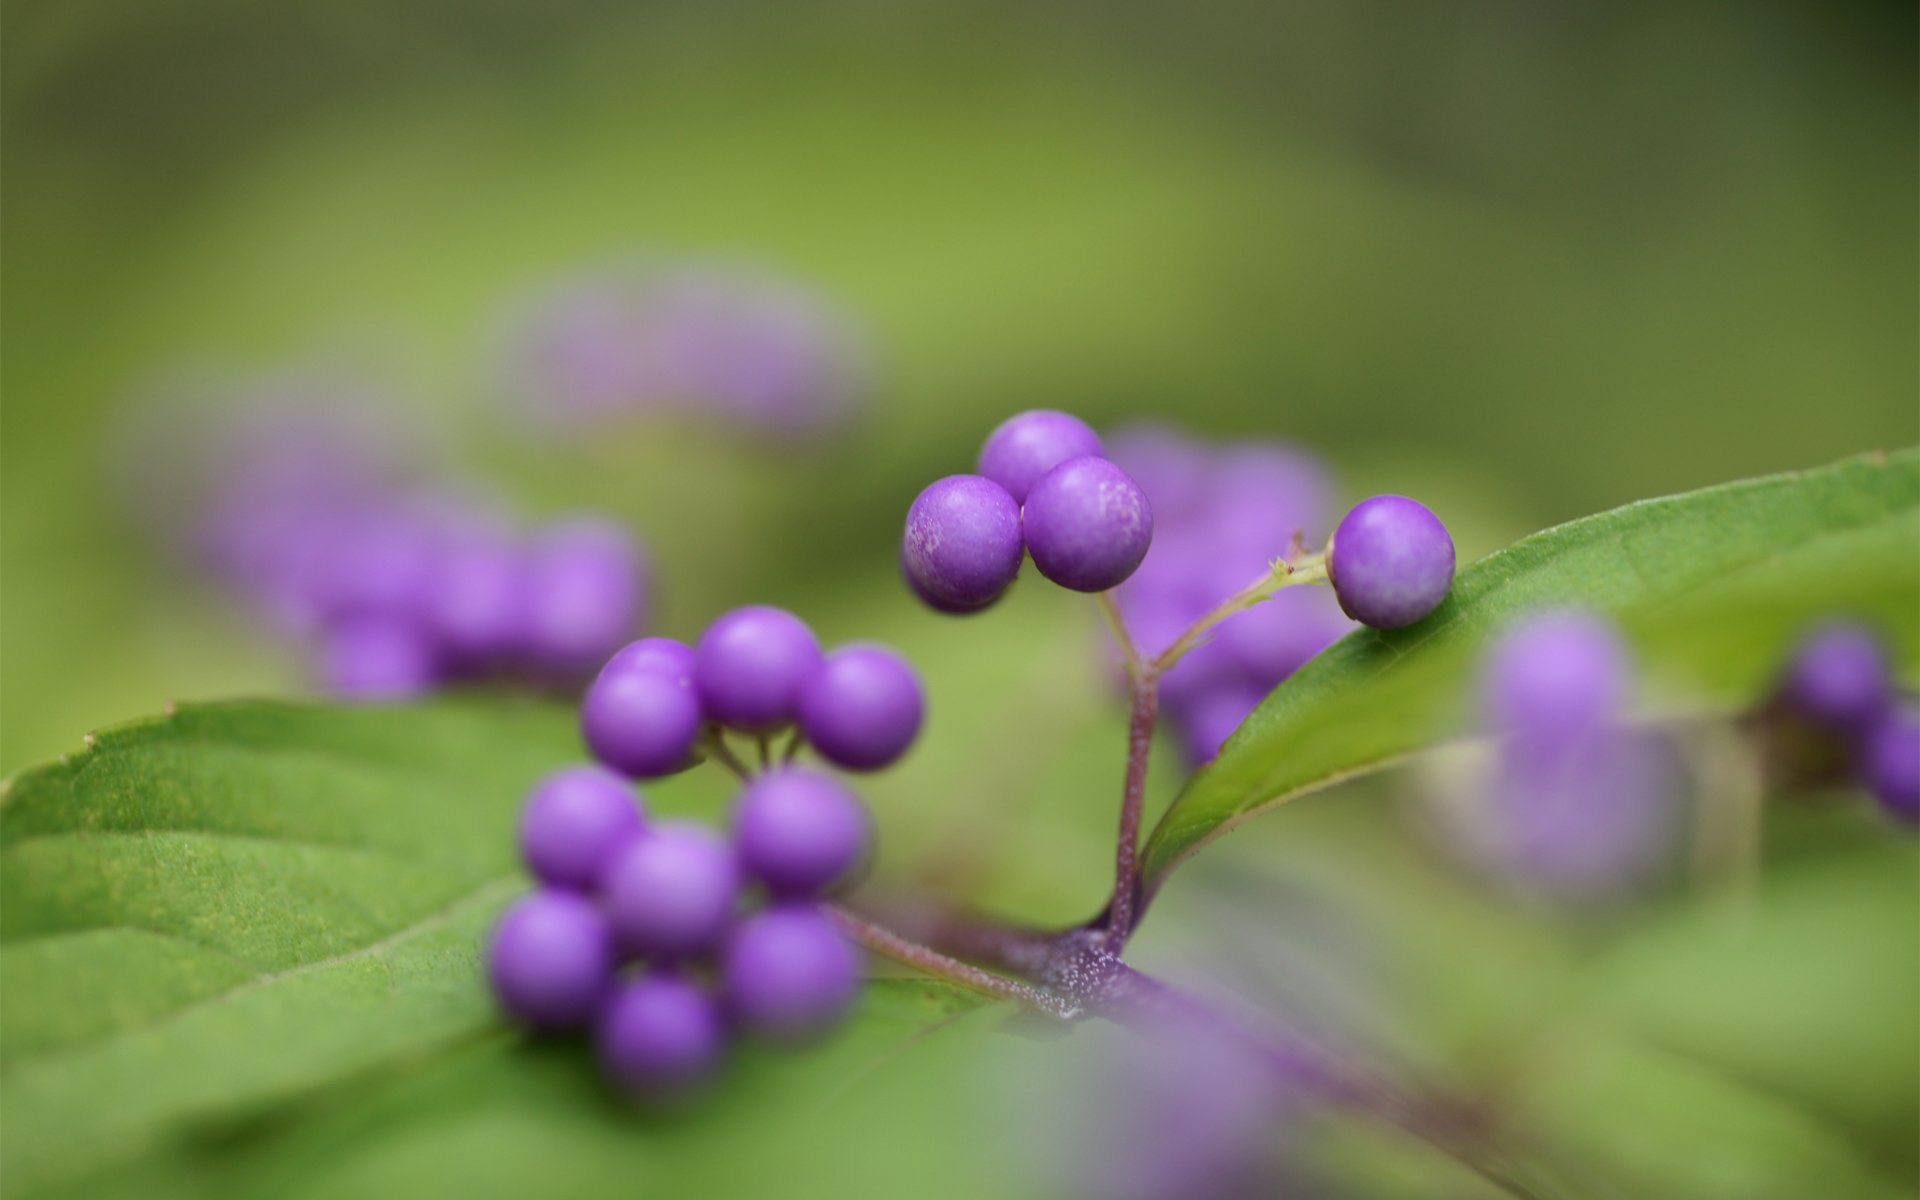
x=660, y=1036
x=671, y=891
x=1890, y=763
x=376, y=658
x=1391, y=563
x=1839, y=675
x=585, y=594
x=963, y=546
x=1555, y=677
x=1581, y=820
x=862, y=708
x=551, y=960
x=789, y=975
x=799, y=832
x=573, y=823
x=1027, y=446
x=476, y=602
x=1087, y=525
x=641, y=716
x=750, y=666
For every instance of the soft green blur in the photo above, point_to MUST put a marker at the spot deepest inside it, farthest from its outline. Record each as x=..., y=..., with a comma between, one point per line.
x=1527, y=261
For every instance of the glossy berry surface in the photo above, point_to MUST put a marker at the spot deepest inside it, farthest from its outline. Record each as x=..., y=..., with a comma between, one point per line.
x=660, y=1036
x=1026, y=446
x=376, y=658
x=641, y=715
x=750, y=665
x=574, y=821
x=551, y=960
x=1392, y=562
x=1087, y=525
x=862, y=708
x=788, y=974
x=1555, y=676
x=1839, y=675
x=962, y=546
x=799, y=831
x=671, y=891
x=1890, y=763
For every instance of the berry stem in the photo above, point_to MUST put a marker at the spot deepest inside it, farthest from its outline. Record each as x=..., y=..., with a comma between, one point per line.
x=1283, y=574
x=795, y=744
x=1117, y=625
x=888, y=944
x=766, y=752
x=714, y=742
x=1144, y=706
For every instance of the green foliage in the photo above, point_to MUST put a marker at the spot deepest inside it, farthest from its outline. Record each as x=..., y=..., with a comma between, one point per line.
x=1713, y=586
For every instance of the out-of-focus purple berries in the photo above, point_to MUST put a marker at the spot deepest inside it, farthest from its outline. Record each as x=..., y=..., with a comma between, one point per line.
x=1555, y=678
x=789, y=975
x=800, y=832
x=1087, y=525
x=1391, y=562
x=575, y=820
x=1839, y=676
x=963, y=546
x=762, y=354
x=660, y=1036
x=671, y=891
x=376, y=657
x=1222, y=515
x=750, y=666
x=1027, y=446
x=585, y=594
x=641, y=716
x=1889, y=757
x=862, y=707
x=551, y=960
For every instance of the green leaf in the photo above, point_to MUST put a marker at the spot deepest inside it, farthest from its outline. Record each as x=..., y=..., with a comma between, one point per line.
x=215, y=925
x=1712, y=586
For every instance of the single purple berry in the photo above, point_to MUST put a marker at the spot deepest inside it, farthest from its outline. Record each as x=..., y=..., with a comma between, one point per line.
x=574, y=821
x=551, y=960
x=962, y=547
x=1391, y=562
x=862, y=708
x=476, y=596
x=1555, y=677
x=671, y=891
x=641, y=716
x=750, y=666
x=1581, y=820
x=1839, y=675
x=1087, y=525
x=660, y=1036
x=1890, y=763
x=1027, y=446
x=789, y=975
x=585, y=594
x=799, y=831
x=376, y=658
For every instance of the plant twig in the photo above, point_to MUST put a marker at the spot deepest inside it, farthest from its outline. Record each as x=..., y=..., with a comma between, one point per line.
x=714, y=742
x=888, y=944
x=1143, y=706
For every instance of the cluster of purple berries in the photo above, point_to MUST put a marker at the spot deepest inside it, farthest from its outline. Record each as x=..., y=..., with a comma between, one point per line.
x=692, y=339
x=667, y=937
x=1580, y=806
x=1045, y=488
x=1841, y=682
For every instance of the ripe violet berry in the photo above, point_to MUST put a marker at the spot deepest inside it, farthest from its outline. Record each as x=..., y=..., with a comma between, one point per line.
x=551, y=960
x=1027, y=446
x=1556, y=676
x=671, y=891
x=789, y=975
x=585, y=594
x=574, y=821
x=376, y=658
x=963, y=545
x=659, y=1036
x=1087, y=525
x=750, y=665
x=862, y=708
x=1391, y=562
x=1839, y=676
x=799, y=832
x=641, y=716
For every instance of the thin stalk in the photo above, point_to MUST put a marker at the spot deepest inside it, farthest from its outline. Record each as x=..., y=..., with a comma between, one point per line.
x=1281, y=575
x=1145, y=703
x=888, y=944
x=714, y=742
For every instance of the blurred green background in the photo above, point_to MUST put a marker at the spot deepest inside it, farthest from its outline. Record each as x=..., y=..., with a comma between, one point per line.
x=1526, y=260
